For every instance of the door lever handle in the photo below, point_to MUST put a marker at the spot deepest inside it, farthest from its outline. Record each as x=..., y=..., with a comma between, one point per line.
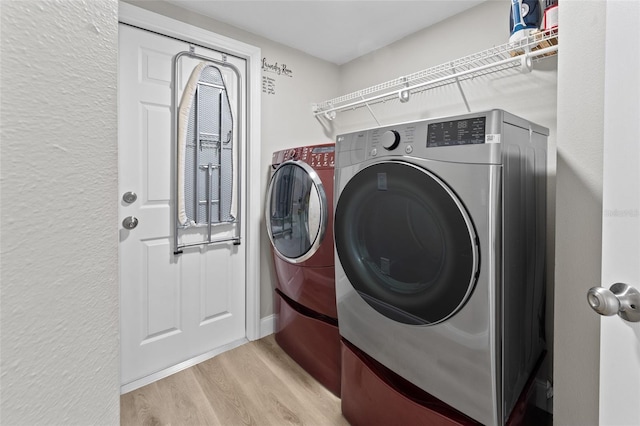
x=620, y=298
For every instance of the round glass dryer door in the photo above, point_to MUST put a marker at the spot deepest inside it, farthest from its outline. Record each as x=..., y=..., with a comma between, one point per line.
x=406, y=243
x=296, y=211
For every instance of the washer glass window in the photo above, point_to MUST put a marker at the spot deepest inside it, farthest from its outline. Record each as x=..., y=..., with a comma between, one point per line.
x=406, y=243
x=295, y=218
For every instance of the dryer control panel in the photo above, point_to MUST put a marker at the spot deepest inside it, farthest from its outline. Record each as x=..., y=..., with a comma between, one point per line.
x=467, y=131
x=478, y=138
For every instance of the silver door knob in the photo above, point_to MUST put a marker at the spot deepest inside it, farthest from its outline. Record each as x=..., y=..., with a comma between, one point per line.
x=621, y=299
x=130, y=222
x=129, y=197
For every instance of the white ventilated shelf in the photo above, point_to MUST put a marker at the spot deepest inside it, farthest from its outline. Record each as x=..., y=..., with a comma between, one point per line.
x=520, y=55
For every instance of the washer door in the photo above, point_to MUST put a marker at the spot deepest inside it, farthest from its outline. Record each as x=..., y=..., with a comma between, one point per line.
x=296, y=211
x=406, y=243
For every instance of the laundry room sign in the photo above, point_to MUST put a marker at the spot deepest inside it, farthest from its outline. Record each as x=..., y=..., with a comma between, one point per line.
x=270, y=71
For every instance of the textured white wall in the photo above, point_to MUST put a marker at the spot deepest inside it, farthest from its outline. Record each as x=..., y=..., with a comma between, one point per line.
x=59, y=303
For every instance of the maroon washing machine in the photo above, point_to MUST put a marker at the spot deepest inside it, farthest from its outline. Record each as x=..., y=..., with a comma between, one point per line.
x=299, y=219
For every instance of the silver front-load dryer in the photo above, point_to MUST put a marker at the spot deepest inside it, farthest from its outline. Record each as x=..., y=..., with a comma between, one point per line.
x=440, y=234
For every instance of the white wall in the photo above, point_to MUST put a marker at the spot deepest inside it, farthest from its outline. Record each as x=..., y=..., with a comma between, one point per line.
x=286, y=115
x=59, y=306
x=579, y=210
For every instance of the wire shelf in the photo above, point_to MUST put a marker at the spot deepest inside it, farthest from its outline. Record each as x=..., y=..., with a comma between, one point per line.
x=520, y=54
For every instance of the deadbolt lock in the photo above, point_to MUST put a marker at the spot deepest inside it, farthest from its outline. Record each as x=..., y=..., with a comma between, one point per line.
x=129, y=197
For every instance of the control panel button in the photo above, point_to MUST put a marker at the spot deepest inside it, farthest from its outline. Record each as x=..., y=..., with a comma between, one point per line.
x=408, y=149
x=291, y=154
x=390, y=139
x=374, y=152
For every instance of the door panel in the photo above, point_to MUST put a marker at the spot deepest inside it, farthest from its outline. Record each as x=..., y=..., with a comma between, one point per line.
x=156, y=121
x=163, y=301
x=214, y=298
x=173, y=307
x=619, y=339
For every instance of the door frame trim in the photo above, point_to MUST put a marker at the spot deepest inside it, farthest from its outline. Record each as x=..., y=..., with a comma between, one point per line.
x=151, y=21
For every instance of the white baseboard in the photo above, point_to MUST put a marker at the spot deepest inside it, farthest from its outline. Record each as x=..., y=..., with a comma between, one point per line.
x=267, y=325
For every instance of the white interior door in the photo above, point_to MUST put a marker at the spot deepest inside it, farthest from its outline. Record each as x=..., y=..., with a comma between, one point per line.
x=620, y=340
x=173, y=308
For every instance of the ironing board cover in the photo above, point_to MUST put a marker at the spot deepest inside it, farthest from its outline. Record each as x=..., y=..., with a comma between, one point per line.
x=204, y=116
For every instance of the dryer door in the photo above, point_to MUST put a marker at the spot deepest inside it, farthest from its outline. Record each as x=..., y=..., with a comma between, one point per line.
x=406, y=243
x=296, y=212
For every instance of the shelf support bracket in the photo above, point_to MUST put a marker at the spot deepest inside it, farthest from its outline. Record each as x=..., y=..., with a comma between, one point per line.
x=370, y=110
x=464, y=98
x=404, y=94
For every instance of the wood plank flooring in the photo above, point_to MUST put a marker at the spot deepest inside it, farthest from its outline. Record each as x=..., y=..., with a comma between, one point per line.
x=254, y=384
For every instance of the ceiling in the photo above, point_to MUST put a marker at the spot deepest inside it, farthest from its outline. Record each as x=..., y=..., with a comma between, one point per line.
x=336, y=31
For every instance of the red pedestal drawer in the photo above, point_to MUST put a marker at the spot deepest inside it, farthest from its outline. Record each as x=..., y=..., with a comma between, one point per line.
x=373, y=395
x=314, y=344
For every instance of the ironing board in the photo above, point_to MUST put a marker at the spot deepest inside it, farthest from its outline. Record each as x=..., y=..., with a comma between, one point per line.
x=206, y=157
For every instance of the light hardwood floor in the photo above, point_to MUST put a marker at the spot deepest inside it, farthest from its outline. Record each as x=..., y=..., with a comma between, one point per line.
x=254, y=384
